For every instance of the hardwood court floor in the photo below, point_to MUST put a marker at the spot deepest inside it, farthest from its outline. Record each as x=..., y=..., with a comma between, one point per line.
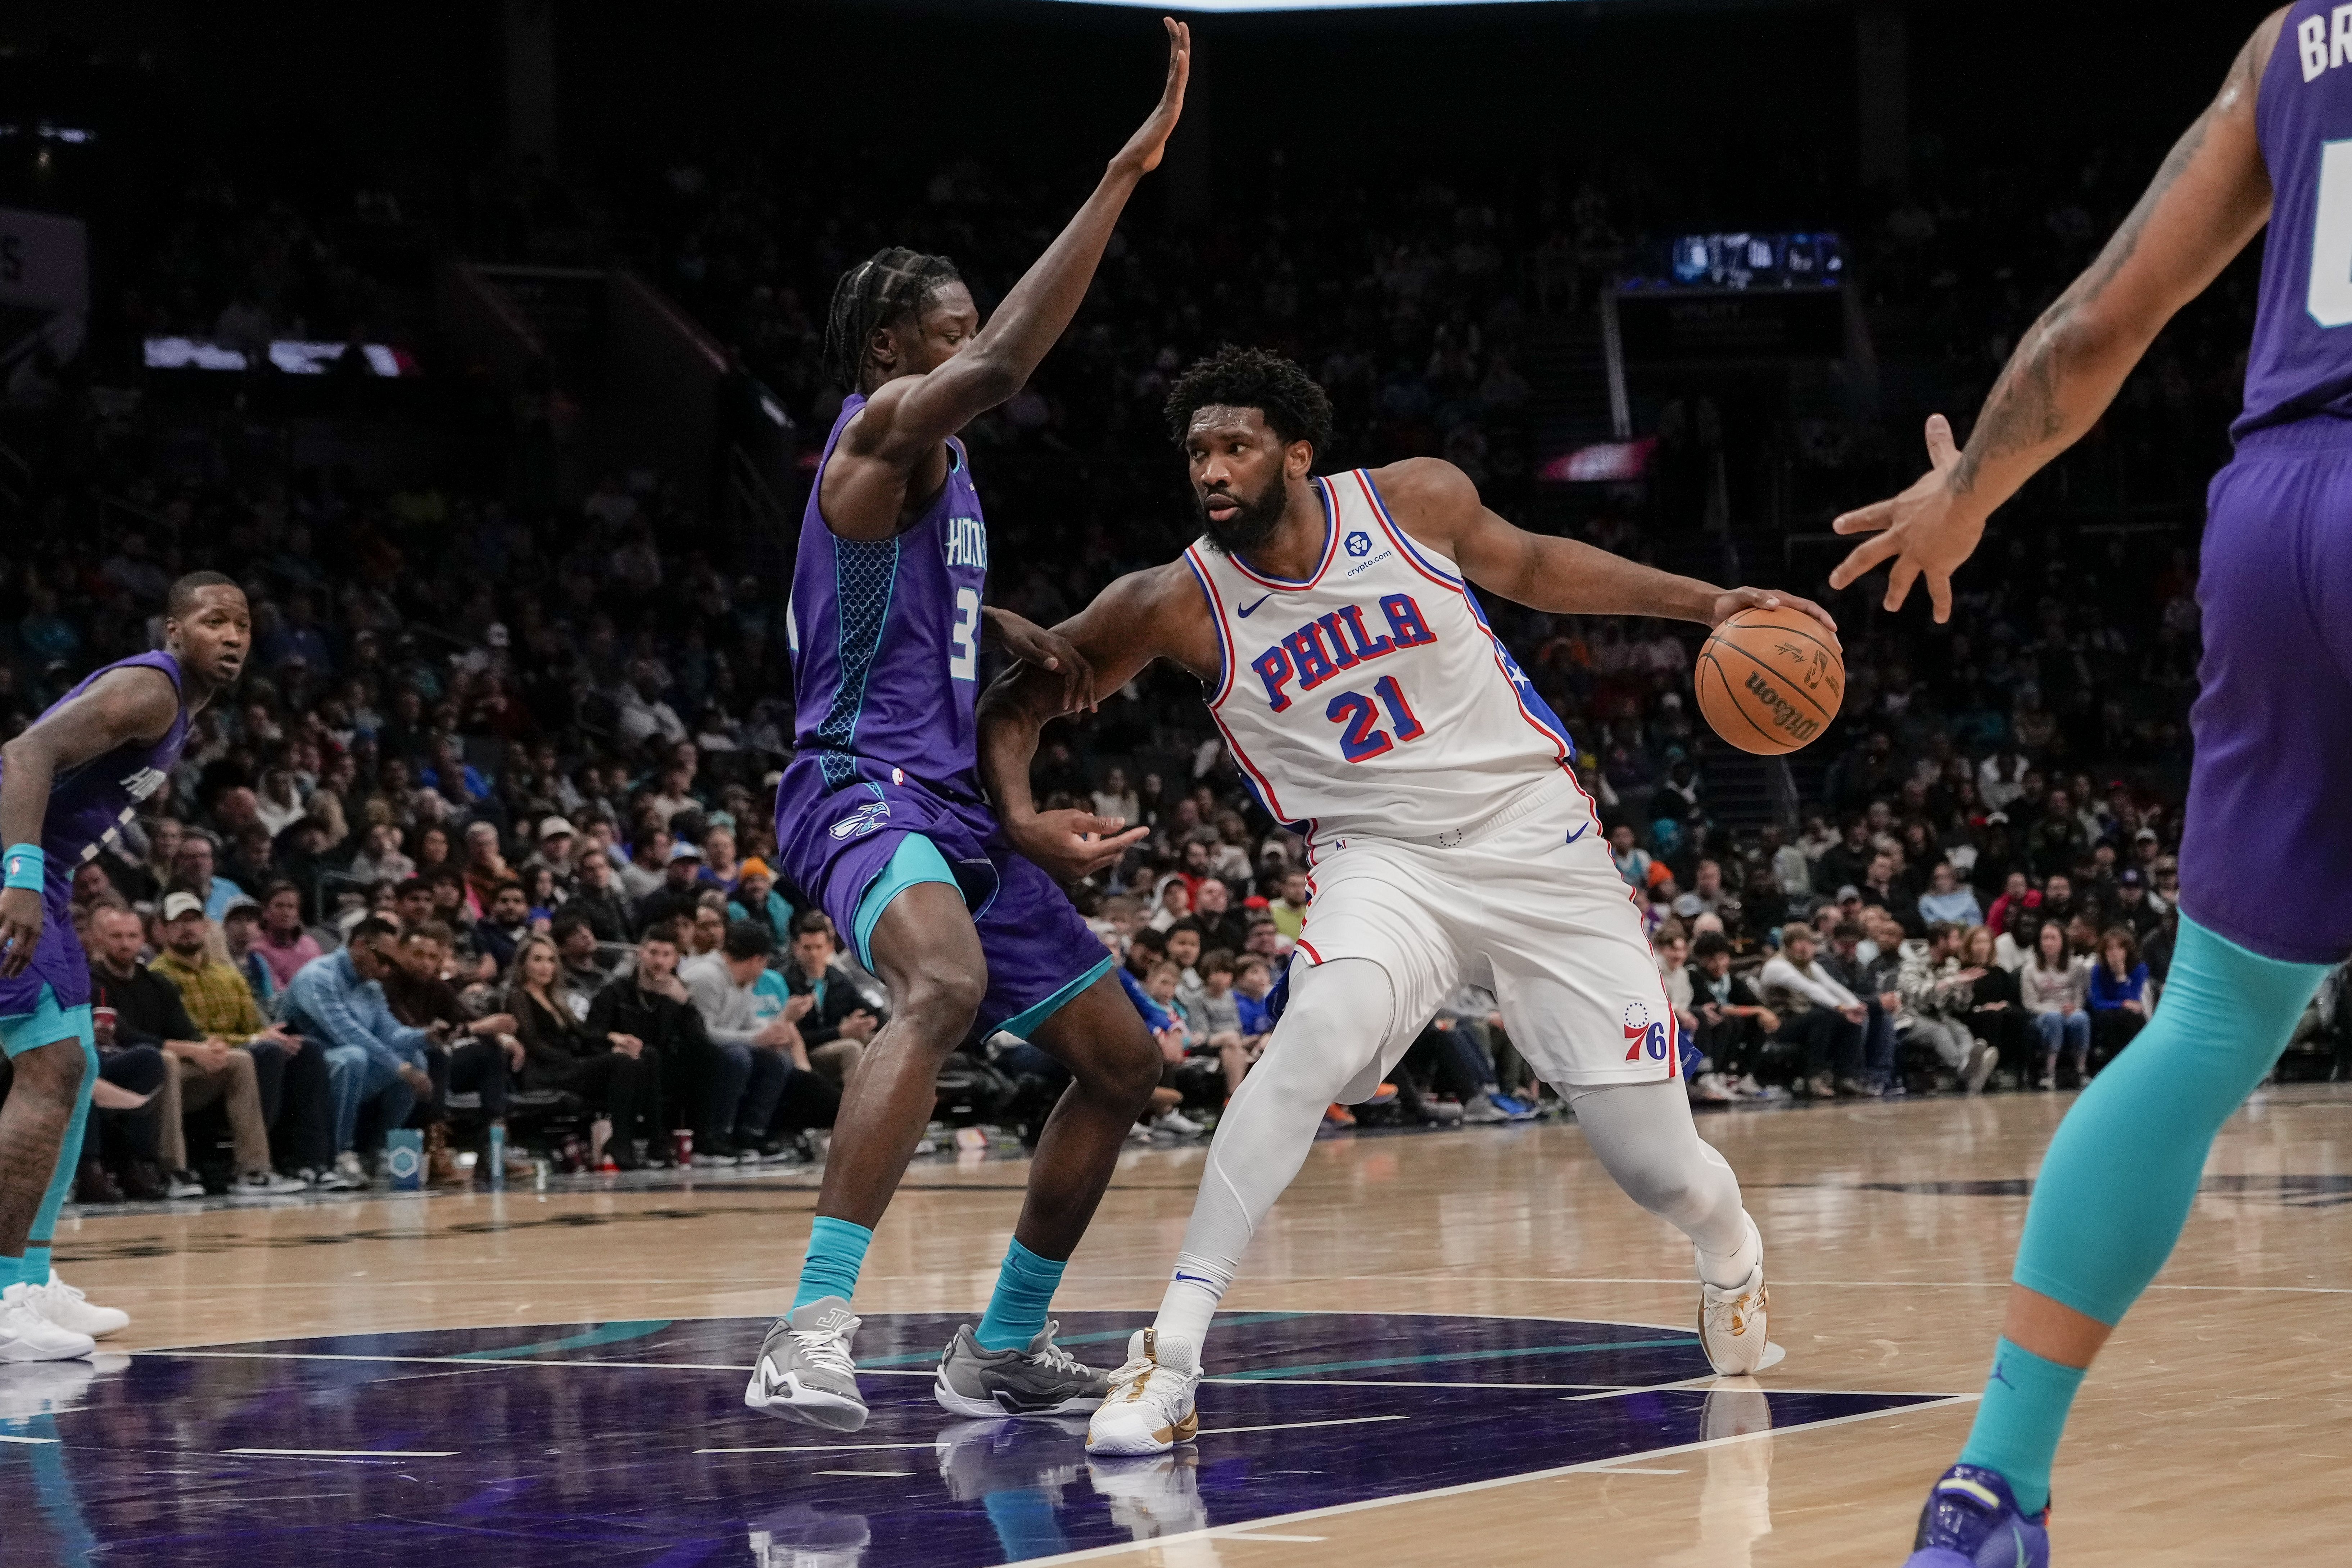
x=2219, y=1426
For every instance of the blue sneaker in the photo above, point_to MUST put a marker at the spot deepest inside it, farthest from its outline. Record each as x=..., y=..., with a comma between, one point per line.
x=1518, y=1110
x=1972, y=1522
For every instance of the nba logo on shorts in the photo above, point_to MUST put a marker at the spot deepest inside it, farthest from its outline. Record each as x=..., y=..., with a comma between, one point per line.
x=1641, y=1035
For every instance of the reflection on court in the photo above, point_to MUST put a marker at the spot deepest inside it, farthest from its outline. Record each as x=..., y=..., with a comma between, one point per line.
x=627, y=1442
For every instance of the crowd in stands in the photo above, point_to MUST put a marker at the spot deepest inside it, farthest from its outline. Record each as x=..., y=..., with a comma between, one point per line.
x=482, y=840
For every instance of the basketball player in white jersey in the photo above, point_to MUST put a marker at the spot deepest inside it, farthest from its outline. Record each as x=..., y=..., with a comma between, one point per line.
x=1355, y=679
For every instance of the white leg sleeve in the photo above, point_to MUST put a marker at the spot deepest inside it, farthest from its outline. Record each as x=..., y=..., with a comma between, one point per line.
x=1341, y=1024
x=1642, y=1134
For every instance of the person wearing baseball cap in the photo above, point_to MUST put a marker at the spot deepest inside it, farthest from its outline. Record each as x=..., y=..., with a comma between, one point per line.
x=680, y=887
x=557, y=838
x=291, y=1082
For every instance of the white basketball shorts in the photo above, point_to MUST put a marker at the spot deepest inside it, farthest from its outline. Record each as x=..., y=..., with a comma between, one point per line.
x=1529, y=905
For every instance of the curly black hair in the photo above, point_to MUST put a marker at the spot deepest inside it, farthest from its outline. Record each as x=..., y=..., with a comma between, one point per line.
x=889, y=286
x=1295, y=408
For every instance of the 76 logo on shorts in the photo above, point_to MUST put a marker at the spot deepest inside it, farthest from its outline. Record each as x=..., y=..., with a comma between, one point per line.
x=1644, y=1036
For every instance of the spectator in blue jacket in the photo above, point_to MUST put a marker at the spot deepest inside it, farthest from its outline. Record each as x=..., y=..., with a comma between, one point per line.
x=372, y=1056
x=2121, y=996
x=755, y=899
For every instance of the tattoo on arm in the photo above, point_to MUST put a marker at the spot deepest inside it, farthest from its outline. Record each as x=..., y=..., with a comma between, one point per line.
x=2027, y=408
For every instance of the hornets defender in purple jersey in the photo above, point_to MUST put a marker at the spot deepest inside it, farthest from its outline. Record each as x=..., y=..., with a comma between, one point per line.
x=2272, y=722
x=67, y=784
x=881, y=817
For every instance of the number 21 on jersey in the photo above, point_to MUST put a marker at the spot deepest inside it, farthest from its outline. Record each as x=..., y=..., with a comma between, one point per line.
x=1360, y=736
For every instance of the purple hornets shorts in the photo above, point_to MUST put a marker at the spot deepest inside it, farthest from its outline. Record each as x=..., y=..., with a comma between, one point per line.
x=59, y=962
x=2268, y=835
x=853, y=848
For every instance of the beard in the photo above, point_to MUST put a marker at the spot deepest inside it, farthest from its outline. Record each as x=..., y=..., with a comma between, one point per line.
x=1251, y=525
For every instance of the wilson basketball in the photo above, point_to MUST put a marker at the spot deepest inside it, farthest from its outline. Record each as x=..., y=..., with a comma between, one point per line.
x=1769, y=681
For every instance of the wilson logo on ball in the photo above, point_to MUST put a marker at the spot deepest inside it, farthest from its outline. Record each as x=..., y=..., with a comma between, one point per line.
x=1769, y=681
x=1783, y=714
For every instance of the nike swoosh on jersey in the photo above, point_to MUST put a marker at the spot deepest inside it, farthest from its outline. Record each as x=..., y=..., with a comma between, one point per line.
x=1579, y=833
x=1245, y=611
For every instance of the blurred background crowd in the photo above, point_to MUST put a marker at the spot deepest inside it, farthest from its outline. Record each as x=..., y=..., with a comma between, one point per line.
x=483, y=839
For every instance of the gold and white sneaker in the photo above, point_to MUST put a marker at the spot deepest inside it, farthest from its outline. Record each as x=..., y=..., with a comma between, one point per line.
x=1149, y=1408
x=1731, y=1324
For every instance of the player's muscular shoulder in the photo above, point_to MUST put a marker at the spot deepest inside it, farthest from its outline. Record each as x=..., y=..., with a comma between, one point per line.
x=1429, y=497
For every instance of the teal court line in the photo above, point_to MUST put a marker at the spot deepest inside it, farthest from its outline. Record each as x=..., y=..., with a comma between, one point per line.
x=930, y=1358
x=1272, y=1373
x=602, y=1334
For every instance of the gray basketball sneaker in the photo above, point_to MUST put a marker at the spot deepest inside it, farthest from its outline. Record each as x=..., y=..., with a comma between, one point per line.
x=804, y=1373
x=1042, y=1380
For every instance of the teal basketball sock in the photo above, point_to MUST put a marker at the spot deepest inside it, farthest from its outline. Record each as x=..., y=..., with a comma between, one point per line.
x=12, y=1272
x=2023, y=1415
x=1024, y=1289
x=2121, y=1173
x=38, y=1264
x=836, y=1251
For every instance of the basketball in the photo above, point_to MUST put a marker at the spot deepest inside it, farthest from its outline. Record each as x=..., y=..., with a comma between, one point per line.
x=1769, y=681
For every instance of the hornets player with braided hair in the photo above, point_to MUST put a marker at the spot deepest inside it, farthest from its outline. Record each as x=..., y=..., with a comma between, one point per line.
x=881, y=819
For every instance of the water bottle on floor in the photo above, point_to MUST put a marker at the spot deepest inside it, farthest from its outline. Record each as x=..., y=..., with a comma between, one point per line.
x=496, y=1153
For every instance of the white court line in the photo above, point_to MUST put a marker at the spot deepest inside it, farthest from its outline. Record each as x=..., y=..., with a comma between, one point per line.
x=1296, y=1426
x=818, y=1448
x=344, y=1454
x=895, y=1474
x=28, y=1442
x=1219, y=1532
x=1432, y=1277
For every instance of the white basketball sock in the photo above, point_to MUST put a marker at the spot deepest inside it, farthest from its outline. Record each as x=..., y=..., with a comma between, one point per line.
x=1642, y=1135
x=1341, y=1017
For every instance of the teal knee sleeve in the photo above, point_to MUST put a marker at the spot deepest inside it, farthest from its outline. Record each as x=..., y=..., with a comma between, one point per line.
x=2117, y=1182
x=61, y=1180
x=836, y=1252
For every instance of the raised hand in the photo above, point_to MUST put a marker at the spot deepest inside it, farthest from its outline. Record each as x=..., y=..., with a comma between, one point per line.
x=1927, y=530
x=1143, y=149
x=1068, y=845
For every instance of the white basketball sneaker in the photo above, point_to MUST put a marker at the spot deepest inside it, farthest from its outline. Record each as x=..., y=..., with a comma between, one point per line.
x=71, y=1310
x=27, y=1335
x=1149, y=1408
x=1731, y=1324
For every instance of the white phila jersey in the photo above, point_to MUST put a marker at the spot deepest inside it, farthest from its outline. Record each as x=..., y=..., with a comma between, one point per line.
x=1372, y=699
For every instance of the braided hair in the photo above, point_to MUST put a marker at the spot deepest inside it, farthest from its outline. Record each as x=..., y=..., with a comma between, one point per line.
x=888, y=286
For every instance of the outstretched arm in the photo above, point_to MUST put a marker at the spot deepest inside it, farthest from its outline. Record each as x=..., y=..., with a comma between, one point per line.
x=908, y=418
x=1435, y=503
x=2211, y=195
x=127, y=705
x=1142, y=616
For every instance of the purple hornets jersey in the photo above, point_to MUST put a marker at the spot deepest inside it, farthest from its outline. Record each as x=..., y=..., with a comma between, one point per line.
x=886, y=637
x=2300, y=363
x=88, y=806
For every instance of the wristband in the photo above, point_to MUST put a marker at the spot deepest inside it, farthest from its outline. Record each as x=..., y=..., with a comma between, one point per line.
x=26, y=866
